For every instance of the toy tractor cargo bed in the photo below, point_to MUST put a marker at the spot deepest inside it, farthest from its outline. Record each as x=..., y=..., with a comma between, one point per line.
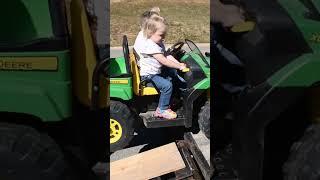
x=180, y=160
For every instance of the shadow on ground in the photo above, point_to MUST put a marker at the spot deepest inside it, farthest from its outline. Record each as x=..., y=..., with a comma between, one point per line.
x=157, y=137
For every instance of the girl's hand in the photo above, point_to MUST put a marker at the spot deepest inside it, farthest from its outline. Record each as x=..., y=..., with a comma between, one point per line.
x=227, y=15
x=182, y=66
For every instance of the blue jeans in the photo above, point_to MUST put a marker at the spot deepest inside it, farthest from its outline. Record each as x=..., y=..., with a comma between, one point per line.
x=164, y=85
x=172, y=74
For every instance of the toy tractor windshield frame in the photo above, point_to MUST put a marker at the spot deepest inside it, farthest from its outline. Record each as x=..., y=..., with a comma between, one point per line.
x=195, y=49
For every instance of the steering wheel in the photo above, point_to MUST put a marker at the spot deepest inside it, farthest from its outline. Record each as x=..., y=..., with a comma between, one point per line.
x=174, y=49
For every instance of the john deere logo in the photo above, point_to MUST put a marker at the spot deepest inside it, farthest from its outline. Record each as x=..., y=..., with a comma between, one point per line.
x=315, y=37
x=28, y=63
x=15, y=65
x=119, y=81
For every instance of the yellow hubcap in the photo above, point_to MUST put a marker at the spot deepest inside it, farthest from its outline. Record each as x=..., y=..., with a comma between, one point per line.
x=115, y=131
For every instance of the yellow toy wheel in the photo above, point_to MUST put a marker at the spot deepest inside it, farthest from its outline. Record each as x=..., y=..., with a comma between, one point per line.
x=121, y=125
x=115, y=131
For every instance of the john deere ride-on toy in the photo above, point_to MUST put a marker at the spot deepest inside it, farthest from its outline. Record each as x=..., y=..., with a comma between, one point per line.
x=130, y=96
x=280, y=59
x=53, y=96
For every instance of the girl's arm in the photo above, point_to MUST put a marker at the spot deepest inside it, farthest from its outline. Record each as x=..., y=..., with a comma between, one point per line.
x=171, y=58
x=164, y=61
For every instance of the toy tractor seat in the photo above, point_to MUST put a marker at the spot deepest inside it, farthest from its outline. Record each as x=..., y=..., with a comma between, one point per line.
x=143, y=83
x=140, y=88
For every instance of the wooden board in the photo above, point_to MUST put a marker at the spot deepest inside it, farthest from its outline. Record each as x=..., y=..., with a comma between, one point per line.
x=149, y=164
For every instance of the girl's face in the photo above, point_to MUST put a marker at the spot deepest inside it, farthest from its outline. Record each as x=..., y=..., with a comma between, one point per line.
x=158, y=36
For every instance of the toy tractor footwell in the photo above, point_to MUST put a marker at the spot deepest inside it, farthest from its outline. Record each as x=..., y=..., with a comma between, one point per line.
x=180, y=160
x=154, y=122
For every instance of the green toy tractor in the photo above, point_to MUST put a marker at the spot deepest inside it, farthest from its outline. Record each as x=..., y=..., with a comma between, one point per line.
x=130, y=97
x=281, y=62
x=53, y=96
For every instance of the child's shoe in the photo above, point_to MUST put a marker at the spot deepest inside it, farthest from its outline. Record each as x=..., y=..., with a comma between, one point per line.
x=167, y=114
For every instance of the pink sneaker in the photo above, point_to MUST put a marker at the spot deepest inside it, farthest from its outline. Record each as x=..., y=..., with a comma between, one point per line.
x=157, y=113
x=167, y=114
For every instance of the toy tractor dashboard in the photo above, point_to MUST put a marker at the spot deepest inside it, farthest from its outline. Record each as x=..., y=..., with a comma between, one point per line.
x=195, y=74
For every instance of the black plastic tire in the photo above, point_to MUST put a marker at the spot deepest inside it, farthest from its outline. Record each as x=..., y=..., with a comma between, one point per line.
x=304, y=159
x=122, y=114
x=27, y=154
x=204, y=119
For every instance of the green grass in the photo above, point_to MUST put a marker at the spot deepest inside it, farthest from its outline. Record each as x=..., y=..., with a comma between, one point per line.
x=187, y=19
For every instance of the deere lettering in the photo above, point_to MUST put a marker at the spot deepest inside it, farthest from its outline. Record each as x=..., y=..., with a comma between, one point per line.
x=12, y=65
x=29, y=63
x=119, y=81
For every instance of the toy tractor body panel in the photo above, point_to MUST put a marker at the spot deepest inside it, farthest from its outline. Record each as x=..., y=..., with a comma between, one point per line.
x=38, y=68
x=121, y=88
x=302, y=72
x=120, y=79
x=52, y=85
x=40, y=74
x=37, y=83
x=119, y=67
x=35, y=64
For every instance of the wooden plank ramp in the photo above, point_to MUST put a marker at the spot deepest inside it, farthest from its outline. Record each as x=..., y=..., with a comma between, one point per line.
x=148, y=164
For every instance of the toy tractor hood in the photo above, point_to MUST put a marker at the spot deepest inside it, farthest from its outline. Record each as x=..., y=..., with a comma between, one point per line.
x=32, y=25
x=276, y=40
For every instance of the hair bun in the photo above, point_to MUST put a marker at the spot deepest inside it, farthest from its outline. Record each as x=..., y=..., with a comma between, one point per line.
x=155, y=9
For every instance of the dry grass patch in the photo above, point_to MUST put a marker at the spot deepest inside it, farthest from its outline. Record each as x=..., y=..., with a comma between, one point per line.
x=187, y=19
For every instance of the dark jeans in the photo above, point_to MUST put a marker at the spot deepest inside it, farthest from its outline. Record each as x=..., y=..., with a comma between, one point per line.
x=163, y=83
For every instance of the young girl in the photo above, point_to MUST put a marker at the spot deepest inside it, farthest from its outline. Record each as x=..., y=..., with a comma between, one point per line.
x=152, y=59
x=140, y=39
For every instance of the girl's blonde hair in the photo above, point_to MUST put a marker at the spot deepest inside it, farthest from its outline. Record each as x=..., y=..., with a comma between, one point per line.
x=155, y=9
x=148, y=14
x=153, y=24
